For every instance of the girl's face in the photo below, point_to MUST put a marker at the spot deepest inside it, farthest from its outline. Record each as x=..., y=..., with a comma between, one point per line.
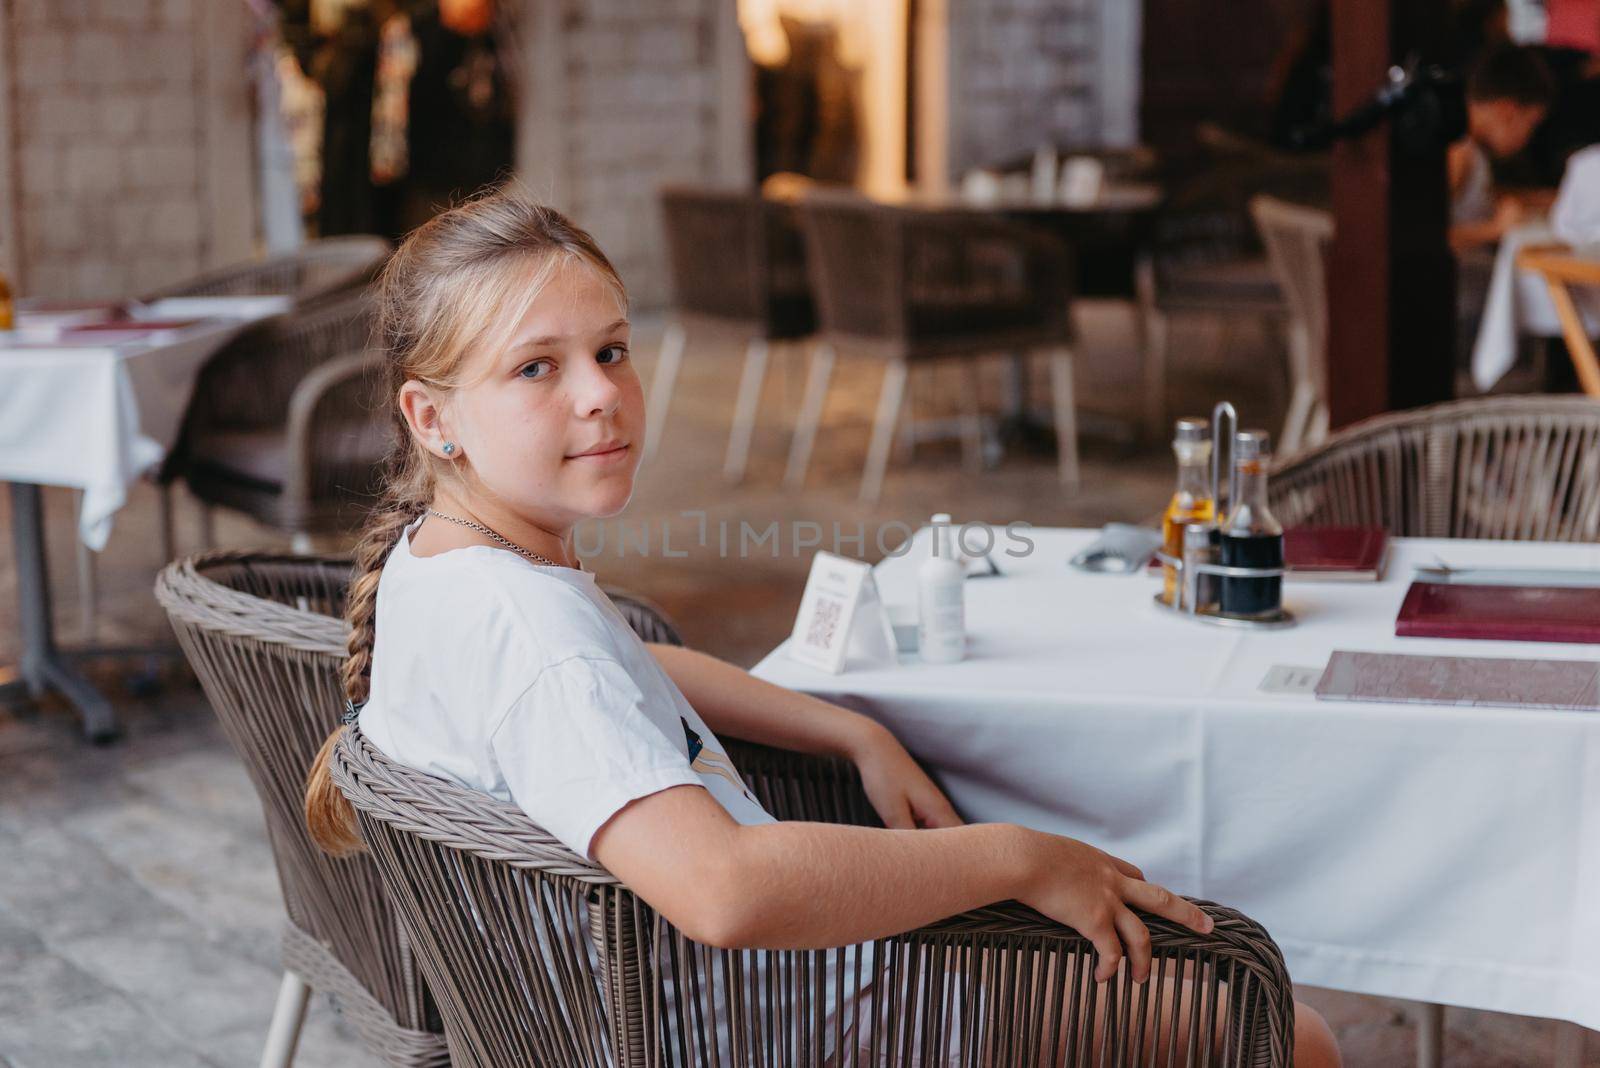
x=552, y=424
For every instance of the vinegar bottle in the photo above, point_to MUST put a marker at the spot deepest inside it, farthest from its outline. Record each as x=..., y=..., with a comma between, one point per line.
x=1251, y=537
x=1191, y=502
x=941, y=600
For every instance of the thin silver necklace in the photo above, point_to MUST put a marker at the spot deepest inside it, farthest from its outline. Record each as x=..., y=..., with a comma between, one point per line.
x=507, y=542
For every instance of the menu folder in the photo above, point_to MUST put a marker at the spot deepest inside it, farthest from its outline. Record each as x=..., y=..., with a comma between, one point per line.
x=1500, y=613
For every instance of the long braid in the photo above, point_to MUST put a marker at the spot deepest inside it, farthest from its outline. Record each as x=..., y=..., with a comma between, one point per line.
x=453, y=286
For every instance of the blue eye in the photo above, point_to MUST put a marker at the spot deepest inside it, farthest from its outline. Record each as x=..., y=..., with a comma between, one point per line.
x=620, y=353
x=537, y=374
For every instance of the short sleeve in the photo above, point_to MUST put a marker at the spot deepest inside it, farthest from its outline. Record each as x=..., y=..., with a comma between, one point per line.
x=577, y=746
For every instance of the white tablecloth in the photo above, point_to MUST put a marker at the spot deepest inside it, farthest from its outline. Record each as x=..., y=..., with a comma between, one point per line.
x=1448, y=855
x=97, y=417
x=1519, y=305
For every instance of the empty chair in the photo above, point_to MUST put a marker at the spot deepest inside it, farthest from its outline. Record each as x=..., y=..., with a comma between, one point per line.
x=538, y=956
x=282, y=425
x=1297, y=240
x=315, y=270
x=263, y=633
x=1512, y=468
x=910, y=287
x=738, y=268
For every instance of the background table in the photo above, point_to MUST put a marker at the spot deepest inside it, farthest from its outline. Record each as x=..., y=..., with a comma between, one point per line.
x=1518, y=305
x=96, y=417
x=1447, y=855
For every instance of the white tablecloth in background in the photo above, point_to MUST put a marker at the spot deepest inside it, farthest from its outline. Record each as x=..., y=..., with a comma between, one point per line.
x=1448, y=855
x=98, y=417
x=1519, y=305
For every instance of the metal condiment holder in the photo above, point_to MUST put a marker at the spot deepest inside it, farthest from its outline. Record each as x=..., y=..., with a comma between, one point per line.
x=1184, y=590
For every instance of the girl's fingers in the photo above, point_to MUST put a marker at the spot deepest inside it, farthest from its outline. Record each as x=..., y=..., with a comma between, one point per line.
x=1125, y=868
x=1106, y=945
x=1166, y=904
x=1136, y=940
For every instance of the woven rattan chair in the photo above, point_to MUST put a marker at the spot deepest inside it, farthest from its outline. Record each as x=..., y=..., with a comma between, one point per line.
x=262, y=634
x=1297, y=240
x=313, y=271
x=1513, y=468
x=283, y=426
x=910, y=287
x=738, y=268
x=539, y=957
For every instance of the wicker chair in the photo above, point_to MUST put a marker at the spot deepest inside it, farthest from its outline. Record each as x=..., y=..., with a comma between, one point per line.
x=738, y=266
x=538, y=956
x=1297, y=240
x=282, y=425
x=910, y=286
x=315, y=270
x=262, y=634
x=1512, y=468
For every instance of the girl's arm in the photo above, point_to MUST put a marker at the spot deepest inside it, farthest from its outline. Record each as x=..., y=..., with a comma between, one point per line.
x=802, y=885
x=736, y=704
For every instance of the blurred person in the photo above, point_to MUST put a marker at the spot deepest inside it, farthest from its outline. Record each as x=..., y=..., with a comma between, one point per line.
x=1508, y=94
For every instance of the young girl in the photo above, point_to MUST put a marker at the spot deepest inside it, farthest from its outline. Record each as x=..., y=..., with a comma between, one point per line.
x=485, y=653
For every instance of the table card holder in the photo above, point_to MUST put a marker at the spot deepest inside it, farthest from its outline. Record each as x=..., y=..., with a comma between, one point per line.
x=1184, y=602
x=841, y=617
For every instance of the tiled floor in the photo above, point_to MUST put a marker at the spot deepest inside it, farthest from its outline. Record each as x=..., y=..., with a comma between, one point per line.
x=138, y=905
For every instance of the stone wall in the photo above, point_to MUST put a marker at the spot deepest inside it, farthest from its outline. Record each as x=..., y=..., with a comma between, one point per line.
x=108, y=124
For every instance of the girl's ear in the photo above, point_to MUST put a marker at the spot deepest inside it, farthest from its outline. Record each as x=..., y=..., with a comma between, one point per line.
x=424, y=414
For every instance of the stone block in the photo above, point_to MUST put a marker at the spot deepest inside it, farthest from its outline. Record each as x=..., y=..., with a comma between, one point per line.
x=175, y=225
x=41, y=166
x=171, y=59
x=125, y=12
x=121, y=116
x=101, y=57
x=91, y=168
x=177, y=12
x=58, y=115
x=163, y=165
x=42, y=58
x=51, y=279
x=171, y=112
x=99, y=280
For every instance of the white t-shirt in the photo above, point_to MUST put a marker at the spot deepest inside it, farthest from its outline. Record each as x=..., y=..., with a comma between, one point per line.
x=525, y=682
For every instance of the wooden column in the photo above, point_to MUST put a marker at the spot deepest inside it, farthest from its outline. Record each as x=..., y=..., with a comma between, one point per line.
x=1391, y=290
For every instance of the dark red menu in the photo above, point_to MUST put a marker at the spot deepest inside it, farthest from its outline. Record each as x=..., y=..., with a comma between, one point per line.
x=1500, y=613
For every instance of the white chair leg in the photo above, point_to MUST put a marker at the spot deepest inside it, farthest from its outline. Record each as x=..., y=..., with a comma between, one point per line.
x=744, y=411
x=169, y=542
x=889, y=401
x=972, y=419
x=666, y=374
x=1430, y=1035
x=805, y=431
x=1066, y=415
x=1303, y=391
x=88, y=587
x=283, y=1035
x=1153, y=331
x=1569, y=1045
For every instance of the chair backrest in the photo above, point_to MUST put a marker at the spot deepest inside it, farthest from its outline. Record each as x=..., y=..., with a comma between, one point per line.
x=738, y=256
x=313, y=271
x=1297, y=239
x=263, y=633
x=1512, y=468
x=932, y=280
x=247, y=385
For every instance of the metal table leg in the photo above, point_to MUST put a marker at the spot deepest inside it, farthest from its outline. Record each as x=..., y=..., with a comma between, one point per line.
x=43, y=667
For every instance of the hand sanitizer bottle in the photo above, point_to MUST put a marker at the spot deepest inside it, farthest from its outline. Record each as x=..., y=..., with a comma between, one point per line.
x=941, y=600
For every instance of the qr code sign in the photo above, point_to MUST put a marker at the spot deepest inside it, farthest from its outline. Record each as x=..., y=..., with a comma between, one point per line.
x=824, y=623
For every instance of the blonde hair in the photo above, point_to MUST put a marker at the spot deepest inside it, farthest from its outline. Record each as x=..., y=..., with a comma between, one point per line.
x=459, y=283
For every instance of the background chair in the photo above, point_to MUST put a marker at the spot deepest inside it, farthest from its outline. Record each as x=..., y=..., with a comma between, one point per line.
x=1513, y=468
x=539, y=957
x=315, y=270
x=909, y=287
x=283, y=425
x=1205, y=257
x=1561, y=267
x=1297, y=240
x=263, y=633
x=738, y=266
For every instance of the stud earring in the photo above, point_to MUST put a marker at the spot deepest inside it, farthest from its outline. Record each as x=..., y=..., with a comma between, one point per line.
x=449, y=448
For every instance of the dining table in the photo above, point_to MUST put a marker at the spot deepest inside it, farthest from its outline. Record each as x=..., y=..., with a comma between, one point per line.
x=1438, y=852
x=92, y=397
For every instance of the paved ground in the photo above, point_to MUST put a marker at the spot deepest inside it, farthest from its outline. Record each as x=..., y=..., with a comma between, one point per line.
x=138, y=905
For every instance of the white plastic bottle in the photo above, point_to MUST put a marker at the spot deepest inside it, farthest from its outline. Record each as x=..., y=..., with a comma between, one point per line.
x=941, y=600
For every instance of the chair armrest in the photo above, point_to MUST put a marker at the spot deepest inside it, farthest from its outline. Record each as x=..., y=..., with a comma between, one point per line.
x=326, y=404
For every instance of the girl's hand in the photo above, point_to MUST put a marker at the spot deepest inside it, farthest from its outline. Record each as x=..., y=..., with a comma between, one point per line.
x=901, y=792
